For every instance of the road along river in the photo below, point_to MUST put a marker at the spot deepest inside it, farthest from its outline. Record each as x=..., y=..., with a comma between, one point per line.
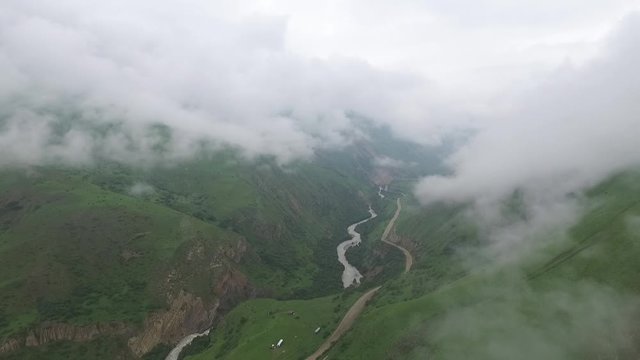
x=407, y=255
x=351, y=275
x=355, y=310
x=345, y=324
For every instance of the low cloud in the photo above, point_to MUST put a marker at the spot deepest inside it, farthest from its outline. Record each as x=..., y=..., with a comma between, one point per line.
x=141, y=189
x=562, y=321
x=524, y=174
x=389, y=162
x=572, y=130
x=225, y=80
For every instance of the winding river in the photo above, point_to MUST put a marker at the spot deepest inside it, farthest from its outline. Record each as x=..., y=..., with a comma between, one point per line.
x=173, y=355
x=351, y=275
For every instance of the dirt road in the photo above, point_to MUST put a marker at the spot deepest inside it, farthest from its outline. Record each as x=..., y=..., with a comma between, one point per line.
x=345, y=323
x=355, y=310
x=408, y=258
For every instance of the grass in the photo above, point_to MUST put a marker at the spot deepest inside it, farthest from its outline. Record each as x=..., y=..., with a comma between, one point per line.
x=578, y=305
x=78, y=246
x=74, y=252
x=250, y=329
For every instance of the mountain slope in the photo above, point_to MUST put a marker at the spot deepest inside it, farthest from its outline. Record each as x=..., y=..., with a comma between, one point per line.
x=570, y=299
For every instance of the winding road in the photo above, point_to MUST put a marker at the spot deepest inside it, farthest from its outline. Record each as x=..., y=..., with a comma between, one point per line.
x=350, y=275
x=357, y=308
x=408, y=258
x=345, y=323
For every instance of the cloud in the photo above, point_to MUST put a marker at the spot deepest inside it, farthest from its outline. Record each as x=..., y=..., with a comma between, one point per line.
x=570, y=131
x=525, y=170
x=209, y=75
x=141, y=189
x=512, y=320
x=389, y=162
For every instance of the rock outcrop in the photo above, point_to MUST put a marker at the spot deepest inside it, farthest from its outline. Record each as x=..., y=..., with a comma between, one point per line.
x=69, y=332
x=48, y=333
x=187, y=314
x=10, y=345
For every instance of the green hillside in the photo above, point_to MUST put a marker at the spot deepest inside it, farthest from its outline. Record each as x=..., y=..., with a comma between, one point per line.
x=253, y=326
x=570, y=299
x=112, y=244
x=120, y=261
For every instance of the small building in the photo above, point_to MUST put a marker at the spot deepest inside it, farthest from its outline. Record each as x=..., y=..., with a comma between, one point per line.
x=317, y=330
x=279, y=342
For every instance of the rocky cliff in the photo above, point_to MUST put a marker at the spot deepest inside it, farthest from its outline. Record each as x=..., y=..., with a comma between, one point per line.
x=187, y=314
x=48, y=333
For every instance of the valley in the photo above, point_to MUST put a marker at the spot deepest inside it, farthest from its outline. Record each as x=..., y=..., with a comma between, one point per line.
x=165, y=252
x=221, y=257
x=320, y=180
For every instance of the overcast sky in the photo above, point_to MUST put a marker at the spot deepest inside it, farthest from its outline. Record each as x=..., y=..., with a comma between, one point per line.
x=551, y=86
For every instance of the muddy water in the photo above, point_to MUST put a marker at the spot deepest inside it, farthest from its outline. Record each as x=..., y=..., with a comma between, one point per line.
x=351, y=275
x=173, y=355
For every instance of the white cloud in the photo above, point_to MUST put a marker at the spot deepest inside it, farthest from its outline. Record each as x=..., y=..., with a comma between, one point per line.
x=570, y=131
x=275, y=77
x=208, y=75
x=141, y=189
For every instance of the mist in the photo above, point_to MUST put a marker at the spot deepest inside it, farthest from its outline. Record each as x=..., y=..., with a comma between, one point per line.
x=545, y=96
x=572, y=129
x=207, y=76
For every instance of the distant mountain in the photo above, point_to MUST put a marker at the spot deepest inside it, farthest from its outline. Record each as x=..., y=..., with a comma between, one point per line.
x=114, y=260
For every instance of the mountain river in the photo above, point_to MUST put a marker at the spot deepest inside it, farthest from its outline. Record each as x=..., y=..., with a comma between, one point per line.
x=351, y=275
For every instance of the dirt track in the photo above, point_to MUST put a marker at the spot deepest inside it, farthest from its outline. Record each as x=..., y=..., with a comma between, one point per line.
x=355, y=310
x=345, y=323
x=408, y=258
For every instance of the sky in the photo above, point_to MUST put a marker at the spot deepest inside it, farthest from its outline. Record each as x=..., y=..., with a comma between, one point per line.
x=549, y=87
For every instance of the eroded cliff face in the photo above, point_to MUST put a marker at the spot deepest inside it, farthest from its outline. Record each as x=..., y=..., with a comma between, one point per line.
x=10, y=345
x=69, y=332
x=48, y=333
x=187, y=314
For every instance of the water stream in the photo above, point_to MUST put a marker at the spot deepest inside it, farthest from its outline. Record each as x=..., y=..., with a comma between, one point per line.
x=351, y=275
x=175, y=352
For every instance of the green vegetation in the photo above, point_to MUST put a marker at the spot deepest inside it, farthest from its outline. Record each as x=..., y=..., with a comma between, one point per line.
x=74, y=252
x=574, y=304
x=111, y=242
x=250, y=329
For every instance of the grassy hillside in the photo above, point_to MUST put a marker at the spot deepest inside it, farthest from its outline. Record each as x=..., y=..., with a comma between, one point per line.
x=250, y=329
x=579, y=302
x=290, y=215
x=72, y=251
x=97, y=245
x=114, y=243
